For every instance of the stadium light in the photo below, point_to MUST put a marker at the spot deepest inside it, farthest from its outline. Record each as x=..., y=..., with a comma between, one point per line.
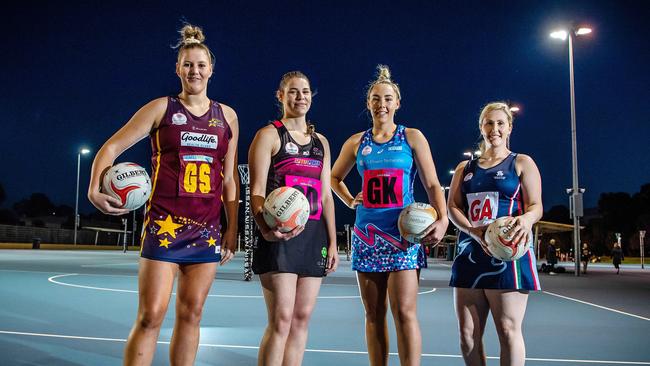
x=576, y=195
x=82, y=151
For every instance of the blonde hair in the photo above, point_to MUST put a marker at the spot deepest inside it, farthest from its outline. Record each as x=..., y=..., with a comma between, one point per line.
x=192, y=37
x=491, y=107
x=311, y=128
x=383, y=77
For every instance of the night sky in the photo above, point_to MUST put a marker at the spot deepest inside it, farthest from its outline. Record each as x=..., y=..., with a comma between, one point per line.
x=73, y=73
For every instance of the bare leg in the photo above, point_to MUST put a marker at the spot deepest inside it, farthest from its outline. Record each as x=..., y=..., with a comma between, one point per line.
x=155, y=283
x=508, y=309
x=280, y=296
x=472, y=309
x=403, y=296
x=194, y=281
x=306, y=294
x=373, y=288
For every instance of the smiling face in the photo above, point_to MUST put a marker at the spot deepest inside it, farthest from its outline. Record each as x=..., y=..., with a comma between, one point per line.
x=496, y=128
x=295, y=97
x=383, y=102
x=194, y=70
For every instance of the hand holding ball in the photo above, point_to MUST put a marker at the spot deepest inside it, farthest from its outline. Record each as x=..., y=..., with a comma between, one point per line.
x=129, y=183
x=414, y=220
x=285, y=208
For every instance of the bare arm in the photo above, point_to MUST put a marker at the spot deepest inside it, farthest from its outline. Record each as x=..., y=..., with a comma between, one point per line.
x=328, y=208
x=344, y=163
x=429, y=178
x=455, y=206
x=230, y=187
x=264, y=145
x=137, y=128
x=531, y=189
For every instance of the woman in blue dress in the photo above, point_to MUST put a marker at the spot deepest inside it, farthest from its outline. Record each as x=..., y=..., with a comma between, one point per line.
x=388, y=156
x=498, y=183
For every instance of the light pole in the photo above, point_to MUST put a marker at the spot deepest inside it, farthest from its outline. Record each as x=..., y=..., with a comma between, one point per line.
x=83, y=151
x=576, y=195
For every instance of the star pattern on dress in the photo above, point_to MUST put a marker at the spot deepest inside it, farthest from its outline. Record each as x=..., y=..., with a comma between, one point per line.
x=153, y=229
x=205, y=233
x=168, y=226
x=165, y=243
x=212, y=242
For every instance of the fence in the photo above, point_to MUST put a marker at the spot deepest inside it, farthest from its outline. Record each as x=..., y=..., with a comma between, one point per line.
x=25, y=234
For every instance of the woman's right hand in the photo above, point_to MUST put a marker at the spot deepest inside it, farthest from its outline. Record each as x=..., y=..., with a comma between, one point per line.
x=478, y=234
x=273, y=235
x=107, y=204
x=358, y=200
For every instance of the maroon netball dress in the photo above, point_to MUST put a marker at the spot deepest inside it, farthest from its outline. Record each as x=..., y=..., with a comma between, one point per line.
x=182, y=219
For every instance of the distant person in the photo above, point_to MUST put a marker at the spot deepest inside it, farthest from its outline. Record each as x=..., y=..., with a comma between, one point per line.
x=194, y=143
x=617, y=256
x=499, y=183
x=551, y=257
x=585, y=257
x=388, y=156
x=291, y=266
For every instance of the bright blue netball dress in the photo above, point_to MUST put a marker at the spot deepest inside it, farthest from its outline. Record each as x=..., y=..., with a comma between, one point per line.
x=487, y=195
x=387, y=171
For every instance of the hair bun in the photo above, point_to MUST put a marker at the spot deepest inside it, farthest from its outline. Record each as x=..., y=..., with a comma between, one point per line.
x=191, y=34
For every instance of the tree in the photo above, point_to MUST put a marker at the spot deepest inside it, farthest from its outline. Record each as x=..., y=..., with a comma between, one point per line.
x=38, y=204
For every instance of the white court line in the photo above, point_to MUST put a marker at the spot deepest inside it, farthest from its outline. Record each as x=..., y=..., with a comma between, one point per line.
x=53, y=280
x=315, y=350
x=596, y=305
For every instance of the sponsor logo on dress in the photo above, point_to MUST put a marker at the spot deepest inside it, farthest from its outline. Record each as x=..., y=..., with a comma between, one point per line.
x=316, y=151
x=366, y=151
x=291, y=148
x=395, y=148
x=468, y=177
x=499, y=175
x=215, y=122
x=203, y=140
x=179, y=119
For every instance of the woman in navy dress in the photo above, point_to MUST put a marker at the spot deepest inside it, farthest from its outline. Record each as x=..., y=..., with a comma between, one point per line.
x=499, y=183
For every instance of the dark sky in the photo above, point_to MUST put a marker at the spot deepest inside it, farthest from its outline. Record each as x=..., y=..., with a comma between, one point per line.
x=73, y=73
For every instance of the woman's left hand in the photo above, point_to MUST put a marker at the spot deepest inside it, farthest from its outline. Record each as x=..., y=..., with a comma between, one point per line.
x=435, y=232
x=228, y=246
x=520, y=229
x=332, y=259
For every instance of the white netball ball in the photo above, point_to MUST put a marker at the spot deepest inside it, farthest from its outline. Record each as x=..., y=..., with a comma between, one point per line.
x=129, y=183
x=500, y=243
x=285, y=208
x=414, y=219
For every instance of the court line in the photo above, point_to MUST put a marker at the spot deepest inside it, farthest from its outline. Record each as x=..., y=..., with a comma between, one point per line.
x=596, y=305
x=316, y=350
x=53, y=279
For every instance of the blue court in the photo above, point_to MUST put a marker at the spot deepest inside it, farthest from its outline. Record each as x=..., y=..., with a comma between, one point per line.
x=77, y=307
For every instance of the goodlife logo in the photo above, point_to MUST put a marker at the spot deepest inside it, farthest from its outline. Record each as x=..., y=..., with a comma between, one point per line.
x=199, y=140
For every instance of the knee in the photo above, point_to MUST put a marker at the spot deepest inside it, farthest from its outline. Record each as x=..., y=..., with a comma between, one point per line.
x=404, y=313
x=508, y=329
x=189, y=311
x=376, y=315
x=151, y=317
x=301, y=318
x=468, y=338
x=280, y=323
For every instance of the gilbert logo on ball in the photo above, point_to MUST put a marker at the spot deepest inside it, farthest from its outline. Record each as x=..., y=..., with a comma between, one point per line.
x=500, y=244
x=285, y=208
x=129, y=183
x=414, y=219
